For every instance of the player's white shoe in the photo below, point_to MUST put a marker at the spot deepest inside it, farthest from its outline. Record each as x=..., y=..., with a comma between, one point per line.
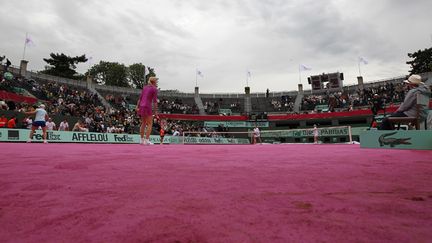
x=45, y=141
x=143, y=141
x=148, y=142
x=29, y=141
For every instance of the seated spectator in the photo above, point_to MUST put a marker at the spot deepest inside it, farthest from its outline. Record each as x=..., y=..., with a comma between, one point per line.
x=408, y=107
x=79, y=127
x=100, y=127
x=110, y=129
x=12, y=122
x=377, y=104
x=64, y=125
x=3, y=121
x=176, y=132
x=28, y=122
x=3, y=105
x=50, y=125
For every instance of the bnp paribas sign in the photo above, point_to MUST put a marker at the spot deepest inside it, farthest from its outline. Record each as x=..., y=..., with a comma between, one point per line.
x=300, y=133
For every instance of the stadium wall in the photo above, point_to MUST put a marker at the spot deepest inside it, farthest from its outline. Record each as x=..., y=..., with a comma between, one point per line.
x=174, y=93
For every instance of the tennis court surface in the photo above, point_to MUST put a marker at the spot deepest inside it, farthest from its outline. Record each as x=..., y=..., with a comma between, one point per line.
x=213, y=193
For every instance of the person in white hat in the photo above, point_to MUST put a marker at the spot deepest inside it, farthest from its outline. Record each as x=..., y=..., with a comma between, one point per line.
x=408, y=107
x=41, y=116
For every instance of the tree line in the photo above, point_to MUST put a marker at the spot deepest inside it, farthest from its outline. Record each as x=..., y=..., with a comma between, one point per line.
x=136, y=76
x=104, y=73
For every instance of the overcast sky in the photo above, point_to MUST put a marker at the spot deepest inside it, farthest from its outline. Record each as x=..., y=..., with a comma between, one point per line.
x=223, y=38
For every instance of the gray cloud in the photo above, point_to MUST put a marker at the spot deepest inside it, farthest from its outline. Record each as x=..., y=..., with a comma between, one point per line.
x=223, y=38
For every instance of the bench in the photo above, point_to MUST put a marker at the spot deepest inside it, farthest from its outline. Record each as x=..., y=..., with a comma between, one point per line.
x=422, y=103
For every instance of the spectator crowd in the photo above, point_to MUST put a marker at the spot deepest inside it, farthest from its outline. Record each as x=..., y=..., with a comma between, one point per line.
x=213, y=106
x=284, y=104
x=90, y=115
x=389, y=93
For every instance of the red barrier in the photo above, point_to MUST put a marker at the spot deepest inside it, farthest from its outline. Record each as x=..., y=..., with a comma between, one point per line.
x=16, y=97
x=274, y=117
x=327, y=115
x=203, y=117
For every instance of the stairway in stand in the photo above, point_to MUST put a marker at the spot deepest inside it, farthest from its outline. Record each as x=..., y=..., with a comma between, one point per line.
x=298, y=102
x=199, y=103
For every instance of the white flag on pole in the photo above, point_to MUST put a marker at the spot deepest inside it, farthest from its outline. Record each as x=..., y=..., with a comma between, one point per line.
x=90, y=60
x=304, y=67
x=29, y=41
x=363, y=60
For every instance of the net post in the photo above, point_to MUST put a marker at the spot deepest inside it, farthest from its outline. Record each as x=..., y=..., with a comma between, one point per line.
x=350, y=134
x=183, y=138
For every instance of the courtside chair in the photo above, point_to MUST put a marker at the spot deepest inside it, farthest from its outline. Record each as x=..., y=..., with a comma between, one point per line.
x=422, y=104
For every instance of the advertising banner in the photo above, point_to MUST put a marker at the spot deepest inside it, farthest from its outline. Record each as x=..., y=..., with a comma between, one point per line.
x=22, y=135
x=397, y=139
x=298, y=133
x=235, y=124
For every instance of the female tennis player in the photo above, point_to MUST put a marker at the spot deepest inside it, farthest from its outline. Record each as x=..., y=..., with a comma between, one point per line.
x=147, y=101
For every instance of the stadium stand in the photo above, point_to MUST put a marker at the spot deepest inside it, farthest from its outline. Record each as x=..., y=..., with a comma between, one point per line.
x=77, y=101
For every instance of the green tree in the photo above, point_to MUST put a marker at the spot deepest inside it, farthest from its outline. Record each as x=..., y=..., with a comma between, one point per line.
x=136, y=75
x=422, y=61
x=62, y=65
x=110, y=73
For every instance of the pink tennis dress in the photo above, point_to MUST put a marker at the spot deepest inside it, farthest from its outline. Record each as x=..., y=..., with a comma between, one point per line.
x=148, y=96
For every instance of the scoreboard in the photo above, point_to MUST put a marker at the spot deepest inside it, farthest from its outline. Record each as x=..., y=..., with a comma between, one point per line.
x=326, y=81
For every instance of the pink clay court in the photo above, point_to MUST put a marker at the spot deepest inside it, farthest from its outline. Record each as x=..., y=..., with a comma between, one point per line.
x=214, y=193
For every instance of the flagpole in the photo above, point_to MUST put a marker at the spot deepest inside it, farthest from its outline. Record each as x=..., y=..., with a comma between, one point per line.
x=196, y=78
x=299, y=75
x=25, y=44
x=89, y=59
x=359, y=68
x=247, y=78
x=145, y=80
